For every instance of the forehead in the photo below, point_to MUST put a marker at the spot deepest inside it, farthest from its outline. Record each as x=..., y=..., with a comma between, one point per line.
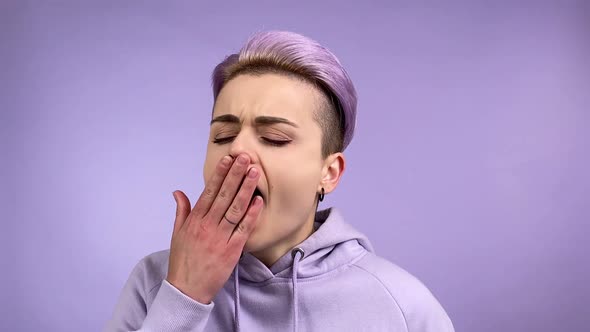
x=268, y=95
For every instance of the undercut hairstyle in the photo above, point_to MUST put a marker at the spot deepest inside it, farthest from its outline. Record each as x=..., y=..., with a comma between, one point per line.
x=294, y=55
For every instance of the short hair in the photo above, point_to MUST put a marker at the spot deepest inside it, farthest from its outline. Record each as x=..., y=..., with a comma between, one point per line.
x=298, y=56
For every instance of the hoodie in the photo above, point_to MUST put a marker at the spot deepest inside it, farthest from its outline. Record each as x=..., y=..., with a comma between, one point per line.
x=332, y=281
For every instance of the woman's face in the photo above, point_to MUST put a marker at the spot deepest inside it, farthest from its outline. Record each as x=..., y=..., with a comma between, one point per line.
x=270, y=118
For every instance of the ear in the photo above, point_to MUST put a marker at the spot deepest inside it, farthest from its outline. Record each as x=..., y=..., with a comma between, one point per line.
x=333, y=169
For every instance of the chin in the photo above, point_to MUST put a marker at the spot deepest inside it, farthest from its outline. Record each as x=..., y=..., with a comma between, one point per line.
x=258, y=241
x=253, y=243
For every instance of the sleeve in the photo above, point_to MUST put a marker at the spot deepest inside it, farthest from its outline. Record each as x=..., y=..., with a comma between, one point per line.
x=423, y=312
x=428, y=317
x=170, y=311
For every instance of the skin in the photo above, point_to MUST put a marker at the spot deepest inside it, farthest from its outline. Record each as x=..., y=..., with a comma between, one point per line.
x=268, y=121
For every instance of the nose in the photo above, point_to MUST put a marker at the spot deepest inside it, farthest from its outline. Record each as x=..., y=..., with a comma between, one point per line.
x=244, y=143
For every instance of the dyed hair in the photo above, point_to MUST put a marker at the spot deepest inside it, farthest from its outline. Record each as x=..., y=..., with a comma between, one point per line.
x=295, y=55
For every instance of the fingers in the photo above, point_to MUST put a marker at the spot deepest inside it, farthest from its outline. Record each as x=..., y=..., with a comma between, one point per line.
x=212, y=187
x=246, y=226
x=239, y=205
x=183, y=208
x=229, y=188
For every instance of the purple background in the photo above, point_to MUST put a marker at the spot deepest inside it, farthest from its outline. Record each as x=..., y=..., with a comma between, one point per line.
x=469, y=167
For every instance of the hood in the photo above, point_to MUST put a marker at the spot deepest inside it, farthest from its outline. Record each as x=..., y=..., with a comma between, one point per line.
x=333, y=244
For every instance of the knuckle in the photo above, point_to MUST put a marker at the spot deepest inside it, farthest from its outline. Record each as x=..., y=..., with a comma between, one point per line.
x=235, y=209
x=201, y=232
x=243, y=228
x=209, y=192
x=203, y=227
x=223, y=193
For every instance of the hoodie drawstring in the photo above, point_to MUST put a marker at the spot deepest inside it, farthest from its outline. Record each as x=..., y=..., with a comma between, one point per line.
x=297, y=254
x=237, y=300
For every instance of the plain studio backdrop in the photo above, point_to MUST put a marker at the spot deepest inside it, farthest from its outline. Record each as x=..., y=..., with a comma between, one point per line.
x=469, y=168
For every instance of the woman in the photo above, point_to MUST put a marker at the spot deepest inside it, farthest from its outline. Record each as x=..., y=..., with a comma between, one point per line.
x=254, y=254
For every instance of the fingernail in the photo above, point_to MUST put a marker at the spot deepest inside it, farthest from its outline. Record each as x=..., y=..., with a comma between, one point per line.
x=253, y=172
x=226, y=161
x=242, y=160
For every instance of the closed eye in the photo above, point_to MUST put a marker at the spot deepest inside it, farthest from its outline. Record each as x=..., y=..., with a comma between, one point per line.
x=272, y=142
x=223, y=140
x=275, y=142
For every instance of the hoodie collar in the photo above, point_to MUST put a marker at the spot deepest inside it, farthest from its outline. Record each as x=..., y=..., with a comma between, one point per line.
x=333, y=244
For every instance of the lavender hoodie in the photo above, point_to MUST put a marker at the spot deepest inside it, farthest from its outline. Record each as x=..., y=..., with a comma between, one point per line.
x=332, y=281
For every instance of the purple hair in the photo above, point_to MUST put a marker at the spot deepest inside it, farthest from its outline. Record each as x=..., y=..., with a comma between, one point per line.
x=292, y=53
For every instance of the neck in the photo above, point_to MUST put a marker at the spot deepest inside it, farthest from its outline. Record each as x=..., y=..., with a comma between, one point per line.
x=270, y=255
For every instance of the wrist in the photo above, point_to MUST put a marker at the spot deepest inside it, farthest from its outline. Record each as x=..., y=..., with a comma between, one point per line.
x=193, y=294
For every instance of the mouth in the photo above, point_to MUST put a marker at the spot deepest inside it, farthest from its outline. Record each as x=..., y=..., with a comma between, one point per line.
x=257, y=192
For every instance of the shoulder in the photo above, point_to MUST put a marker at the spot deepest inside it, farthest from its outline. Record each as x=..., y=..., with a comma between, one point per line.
x=420, y=308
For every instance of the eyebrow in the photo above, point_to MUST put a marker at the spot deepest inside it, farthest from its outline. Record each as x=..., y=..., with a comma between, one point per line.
x=260, y=120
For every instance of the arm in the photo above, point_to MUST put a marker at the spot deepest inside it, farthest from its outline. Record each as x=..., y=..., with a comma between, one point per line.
x=420, y=309
x=205, y=247
x=427, y=315
x=171, y=310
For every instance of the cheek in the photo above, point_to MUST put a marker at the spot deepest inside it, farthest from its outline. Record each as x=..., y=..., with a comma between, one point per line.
x=301, y=172
x=297, y=185
x=206, y=173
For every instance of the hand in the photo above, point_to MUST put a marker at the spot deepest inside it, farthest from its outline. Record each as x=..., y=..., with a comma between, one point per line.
x=205, y=246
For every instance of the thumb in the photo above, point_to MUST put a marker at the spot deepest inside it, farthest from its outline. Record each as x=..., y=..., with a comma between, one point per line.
x=182, y=209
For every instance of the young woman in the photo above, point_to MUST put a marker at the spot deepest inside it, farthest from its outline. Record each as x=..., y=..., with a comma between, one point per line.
x=254, y=253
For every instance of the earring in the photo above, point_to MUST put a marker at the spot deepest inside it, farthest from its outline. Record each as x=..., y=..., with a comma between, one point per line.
x=321, y=198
